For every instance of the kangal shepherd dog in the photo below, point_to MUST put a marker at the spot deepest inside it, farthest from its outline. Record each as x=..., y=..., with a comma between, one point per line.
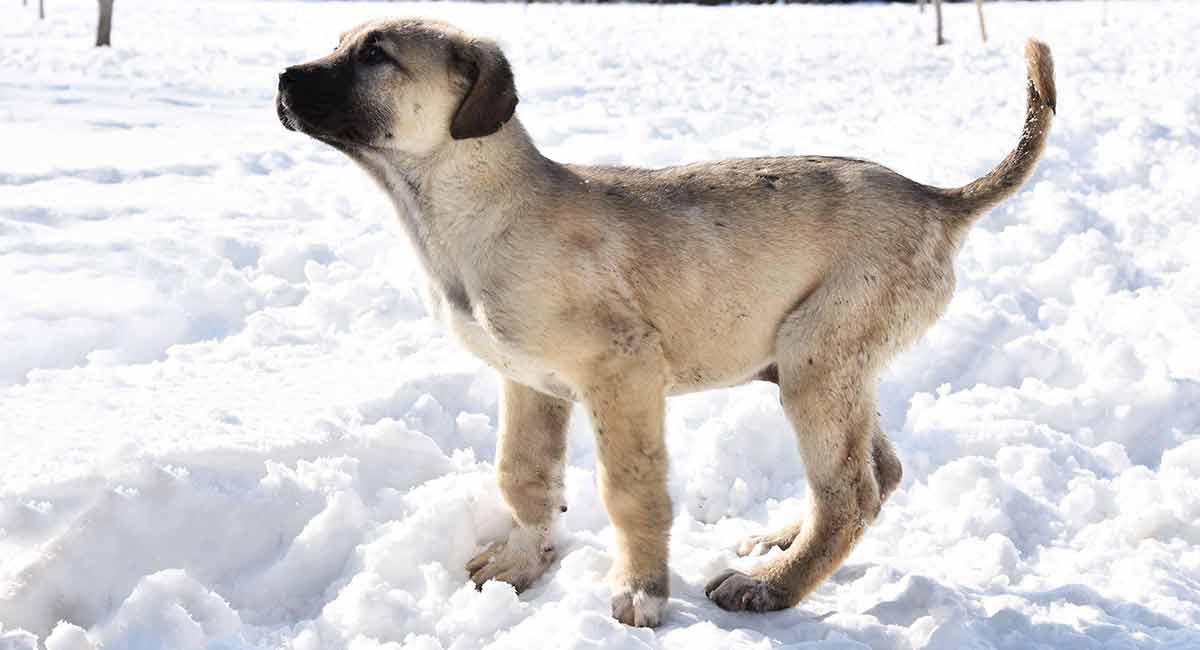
x=616, y=287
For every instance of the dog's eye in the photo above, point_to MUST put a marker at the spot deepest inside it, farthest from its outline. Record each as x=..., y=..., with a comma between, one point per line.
x=372, y=55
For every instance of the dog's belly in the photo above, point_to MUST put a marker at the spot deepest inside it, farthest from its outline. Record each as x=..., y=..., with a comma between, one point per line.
x=698, y=364
x=700, y=353
x=719, y=335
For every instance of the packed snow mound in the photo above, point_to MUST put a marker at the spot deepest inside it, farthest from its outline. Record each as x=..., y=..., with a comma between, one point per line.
x=227, y=420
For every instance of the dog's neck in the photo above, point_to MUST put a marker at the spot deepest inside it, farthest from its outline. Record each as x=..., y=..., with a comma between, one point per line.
x=454, y=201
x=462, y=180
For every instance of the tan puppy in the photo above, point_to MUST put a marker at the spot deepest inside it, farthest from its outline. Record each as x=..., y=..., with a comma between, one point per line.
x=616, y=287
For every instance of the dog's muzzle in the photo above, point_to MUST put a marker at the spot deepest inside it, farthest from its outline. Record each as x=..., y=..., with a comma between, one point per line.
x=285, y=116
x=286, y=79
x=313, y=99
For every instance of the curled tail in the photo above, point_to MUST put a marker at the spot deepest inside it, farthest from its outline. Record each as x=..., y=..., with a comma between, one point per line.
x=971, y=201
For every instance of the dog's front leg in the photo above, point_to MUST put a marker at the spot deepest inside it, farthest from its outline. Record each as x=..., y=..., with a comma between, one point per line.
x=627, y=402
x=529, y=465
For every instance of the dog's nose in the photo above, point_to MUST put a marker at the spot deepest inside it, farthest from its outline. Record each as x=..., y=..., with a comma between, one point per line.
x=288, y=76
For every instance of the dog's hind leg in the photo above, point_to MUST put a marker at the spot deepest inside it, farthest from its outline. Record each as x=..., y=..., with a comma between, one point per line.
x=888, y=473
x=530, y=464
x=827, y=357
x=888, y=470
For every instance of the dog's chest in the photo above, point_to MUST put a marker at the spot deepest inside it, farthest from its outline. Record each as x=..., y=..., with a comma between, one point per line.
x=475, y=332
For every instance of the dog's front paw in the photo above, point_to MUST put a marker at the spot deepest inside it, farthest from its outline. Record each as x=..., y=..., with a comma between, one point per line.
x=737, y=592
x=640, y=606
x=520, y=561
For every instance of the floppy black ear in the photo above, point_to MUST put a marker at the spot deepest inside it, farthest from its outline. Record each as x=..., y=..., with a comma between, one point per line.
x=491, y=95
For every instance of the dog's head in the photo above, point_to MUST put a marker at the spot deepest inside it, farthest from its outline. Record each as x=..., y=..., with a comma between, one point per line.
x=403, y=85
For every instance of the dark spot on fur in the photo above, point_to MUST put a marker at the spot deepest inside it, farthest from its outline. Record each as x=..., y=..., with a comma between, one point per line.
x=583, y=241
x=457, y=296
x=720, y=224
x=769, y=181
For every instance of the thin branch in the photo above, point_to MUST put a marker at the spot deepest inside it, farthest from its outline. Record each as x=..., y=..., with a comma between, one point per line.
x=982, y=27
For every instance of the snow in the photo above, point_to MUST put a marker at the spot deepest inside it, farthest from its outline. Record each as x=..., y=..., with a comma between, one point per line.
x=227, y=421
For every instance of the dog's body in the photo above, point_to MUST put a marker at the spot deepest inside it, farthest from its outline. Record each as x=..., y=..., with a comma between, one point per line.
x=616, y=287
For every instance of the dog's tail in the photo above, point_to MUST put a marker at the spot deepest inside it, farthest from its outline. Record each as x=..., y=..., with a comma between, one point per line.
x=971, y=201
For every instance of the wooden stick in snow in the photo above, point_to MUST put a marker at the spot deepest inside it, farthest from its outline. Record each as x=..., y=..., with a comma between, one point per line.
x=104, y=25
x=937, y=9
x=982, y=27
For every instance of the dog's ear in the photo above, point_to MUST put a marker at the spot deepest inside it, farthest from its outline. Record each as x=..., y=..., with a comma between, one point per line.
x=491, y=92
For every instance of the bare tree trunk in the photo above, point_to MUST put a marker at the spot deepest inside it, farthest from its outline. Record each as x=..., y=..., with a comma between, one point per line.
x=921, y=4
x=104, y=28
x=41, y=9
x=982, y=27
x=937, y=9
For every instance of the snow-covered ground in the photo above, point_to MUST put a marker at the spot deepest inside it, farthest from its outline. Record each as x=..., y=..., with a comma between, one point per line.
x=226, y=420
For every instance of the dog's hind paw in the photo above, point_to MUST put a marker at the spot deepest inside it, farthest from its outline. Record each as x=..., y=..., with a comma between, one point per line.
x=760, y=544
x=737, y=592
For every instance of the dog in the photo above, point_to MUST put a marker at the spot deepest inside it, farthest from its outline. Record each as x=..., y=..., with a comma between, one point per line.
x=616, y=287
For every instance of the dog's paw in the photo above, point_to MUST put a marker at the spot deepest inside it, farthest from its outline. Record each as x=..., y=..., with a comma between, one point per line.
x=760, y=544
x=737, y=592
x=639, y=607
x=520, y=561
